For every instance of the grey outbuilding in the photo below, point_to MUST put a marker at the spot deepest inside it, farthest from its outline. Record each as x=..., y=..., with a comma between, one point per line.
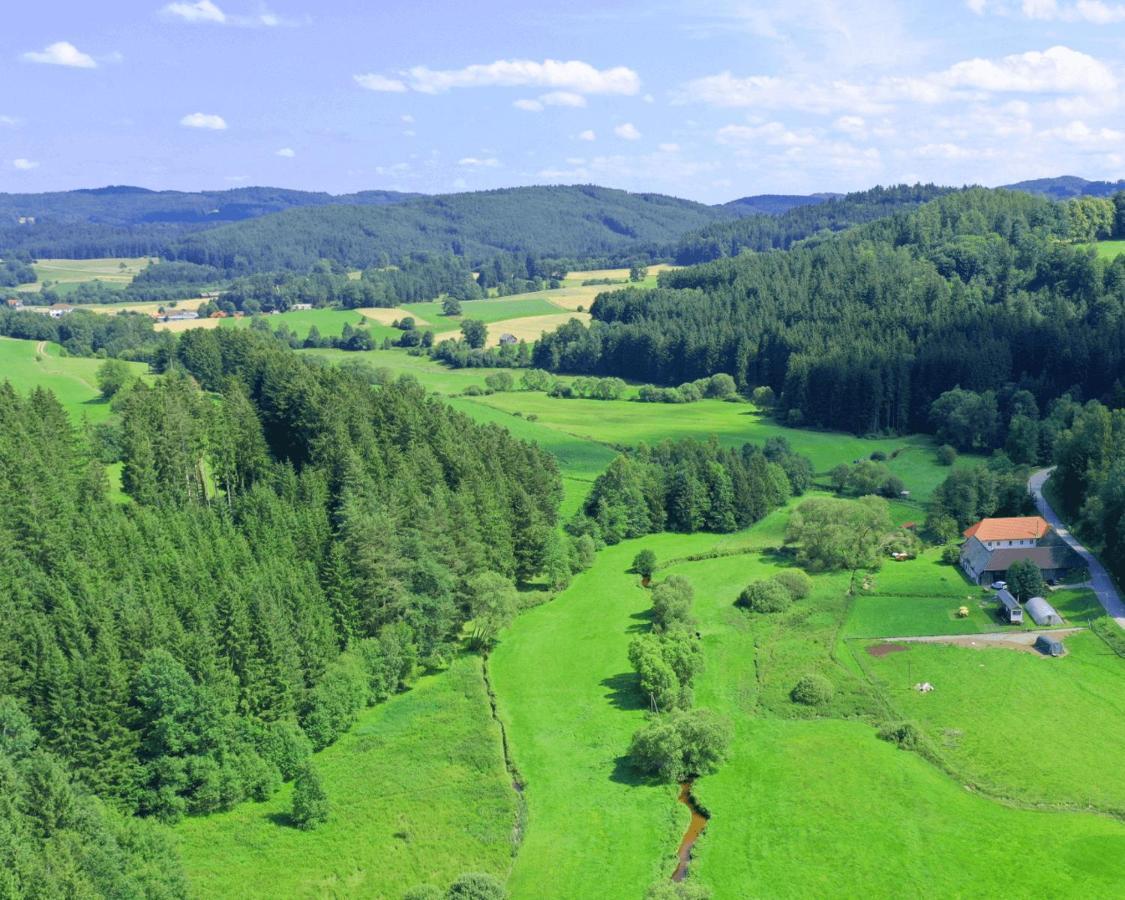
x=1042, y=612
x=1010, y=609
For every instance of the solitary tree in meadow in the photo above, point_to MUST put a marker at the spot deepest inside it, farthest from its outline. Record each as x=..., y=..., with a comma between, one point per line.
x=310, y=802
x=475, y=333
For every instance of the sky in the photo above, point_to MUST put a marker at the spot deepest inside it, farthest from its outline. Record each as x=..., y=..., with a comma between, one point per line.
x=705, y=99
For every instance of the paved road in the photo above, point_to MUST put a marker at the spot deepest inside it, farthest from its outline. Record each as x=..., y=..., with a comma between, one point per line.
x=1100, y=581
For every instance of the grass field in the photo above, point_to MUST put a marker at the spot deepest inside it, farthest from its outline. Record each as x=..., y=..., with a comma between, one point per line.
x=418, y=794
x=64, y=272
x=1108, y=249
x=807, y=805
x=1025, y=725
x=73, y=379
x=490, y=311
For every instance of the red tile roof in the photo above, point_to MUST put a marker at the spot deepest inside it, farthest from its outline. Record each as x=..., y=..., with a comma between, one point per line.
x=1017, y=528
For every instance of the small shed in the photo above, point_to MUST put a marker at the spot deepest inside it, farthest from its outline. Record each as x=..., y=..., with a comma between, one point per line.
x=1048, y=645
x=1042, y=612
x=1010, y=609
x=506, y=339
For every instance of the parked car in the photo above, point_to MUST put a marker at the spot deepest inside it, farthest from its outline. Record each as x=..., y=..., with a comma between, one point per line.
x=999, y=585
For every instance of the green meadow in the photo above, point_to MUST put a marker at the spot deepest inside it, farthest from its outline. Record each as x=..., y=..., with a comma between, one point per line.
x=490, y=311
x=329, y=322
x=1108, y=249
x=418, y=792
x=64, y=272
x=32, y=364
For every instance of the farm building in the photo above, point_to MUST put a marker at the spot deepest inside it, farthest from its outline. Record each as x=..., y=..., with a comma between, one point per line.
x=1048, y=645
x=58, y=310
x=506, y=339
x=1042, y=612
x=992, y=545
x=301, y=306
x=1010, y=608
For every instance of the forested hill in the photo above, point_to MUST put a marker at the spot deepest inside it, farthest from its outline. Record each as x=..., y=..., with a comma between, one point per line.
x=775, y=204
x=124, y=205
x=568, y=221
x=978, y=290
x=1067, y=186
x=778, y=232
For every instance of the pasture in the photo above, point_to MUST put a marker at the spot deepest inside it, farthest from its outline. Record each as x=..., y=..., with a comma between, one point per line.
x=488, y=311
x=31, y=364
x=418, y=792
x=62, y=272
x=1107, y=250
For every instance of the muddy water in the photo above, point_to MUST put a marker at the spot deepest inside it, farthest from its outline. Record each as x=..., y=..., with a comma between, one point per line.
x=695, y=829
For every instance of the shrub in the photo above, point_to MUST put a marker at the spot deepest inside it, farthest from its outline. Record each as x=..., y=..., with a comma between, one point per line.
x=951, y=556
x=796, y=582
x=671, y=604
x=424, y=892
x=310, y=802
x=794, y=418
x=812, y=690
x=681, y=744
x=473, y=390
x=766, y=597
x=476, y=886
x=499, y=382
x=878, y=456
x=763, y=397
x=906, y=735
x=644, y=563
x=946, y=454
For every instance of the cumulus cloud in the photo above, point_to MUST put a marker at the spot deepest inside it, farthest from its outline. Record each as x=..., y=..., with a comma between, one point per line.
x=1056, y=70
x=528, y=105
x=375, y=82
x=1080, y=133
x=208, y=121
x=772, y=133
x=61, y=53
x=206, y=12
x=489, y=162
x=407, y=118
x=628, y=131
x=287, y=152
x=24, y=165
x=572, y=77
x=562, y=98
x=1097, y=12
x=587, y=135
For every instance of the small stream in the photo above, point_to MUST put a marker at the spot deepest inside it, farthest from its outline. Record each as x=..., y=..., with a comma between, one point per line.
x=695, y=829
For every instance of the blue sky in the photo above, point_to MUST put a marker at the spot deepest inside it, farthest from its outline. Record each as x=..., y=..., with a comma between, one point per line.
x=707, y=100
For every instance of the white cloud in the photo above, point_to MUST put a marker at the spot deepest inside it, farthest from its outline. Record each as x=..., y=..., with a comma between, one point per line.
x=771, y=133
x=201, y=11
x=945, y=150
x=628, y=131
x=407, y=118
x=489, y=162
x=528, y=105
x=573, y=75
x=287, y=152
x=374, y=82
x=1096, y=12
x=976, y=6
x=562, y=98
x=25, y=165
x=9, y=121
x=1057, y=70
x=1080, y=133
x=587, y=135
x=669, y=148
x=62, y=53
x=851, y=125
x=208, y=121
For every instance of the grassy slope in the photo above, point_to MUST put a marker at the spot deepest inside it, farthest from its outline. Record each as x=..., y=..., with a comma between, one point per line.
x=73, y=379
x=1108, y=249
x=419, y=794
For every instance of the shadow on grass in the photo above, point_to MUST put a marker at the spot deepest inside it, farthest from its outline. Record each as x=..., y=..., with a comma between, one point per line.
x=643, y=621
x=281, y=819
x=624, y=773
x=624, y=691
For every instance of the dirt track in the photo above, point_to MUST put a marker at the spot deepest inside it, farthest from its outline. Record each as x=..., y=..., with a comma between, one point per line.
x=1005, y=640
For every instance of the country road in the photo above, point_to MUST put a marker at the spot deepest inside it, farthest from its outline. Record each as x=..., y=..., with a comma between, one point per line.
x=1100, y=581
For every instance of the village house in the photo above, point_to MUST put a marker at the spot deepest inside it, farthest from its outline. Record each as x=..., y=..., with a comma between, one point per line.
x=58, y=310
x=992, y=545
x=301, y=306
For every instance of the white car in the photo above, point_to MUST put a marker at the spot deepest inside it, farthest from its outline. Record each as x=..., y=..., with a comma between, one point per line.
x=999, y=585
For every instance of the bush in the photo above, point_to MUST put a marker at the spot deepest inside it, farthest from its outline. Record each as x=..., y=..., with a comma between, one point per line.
x=906, y=735
x=763, y=397
x=474, y=390
x=812, y=690
x=946, y=454
x=681, y=744
x=644, y=563
x=766, y=597
x=310, y=802
x=796, y=582
x=951, y=556
x=424, y=892
x=878, y=456
x=476, y=886
x=671, y=604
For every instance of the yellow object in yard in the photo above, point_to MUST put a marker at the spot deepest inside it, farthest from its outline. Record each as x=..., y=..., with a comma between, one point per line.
x=963, y=612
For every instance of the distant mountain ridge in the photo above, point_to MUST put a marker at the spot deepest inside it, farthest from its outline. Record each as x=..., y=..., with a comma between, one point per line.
x=1063, y=187
x=775, y=204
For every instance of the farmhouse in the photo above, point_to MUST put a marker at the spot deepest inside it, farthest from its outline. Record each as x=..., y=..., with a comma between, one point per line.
x=58, y=310
x=1042, y=612
x=992, y=545
x=301, y=306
